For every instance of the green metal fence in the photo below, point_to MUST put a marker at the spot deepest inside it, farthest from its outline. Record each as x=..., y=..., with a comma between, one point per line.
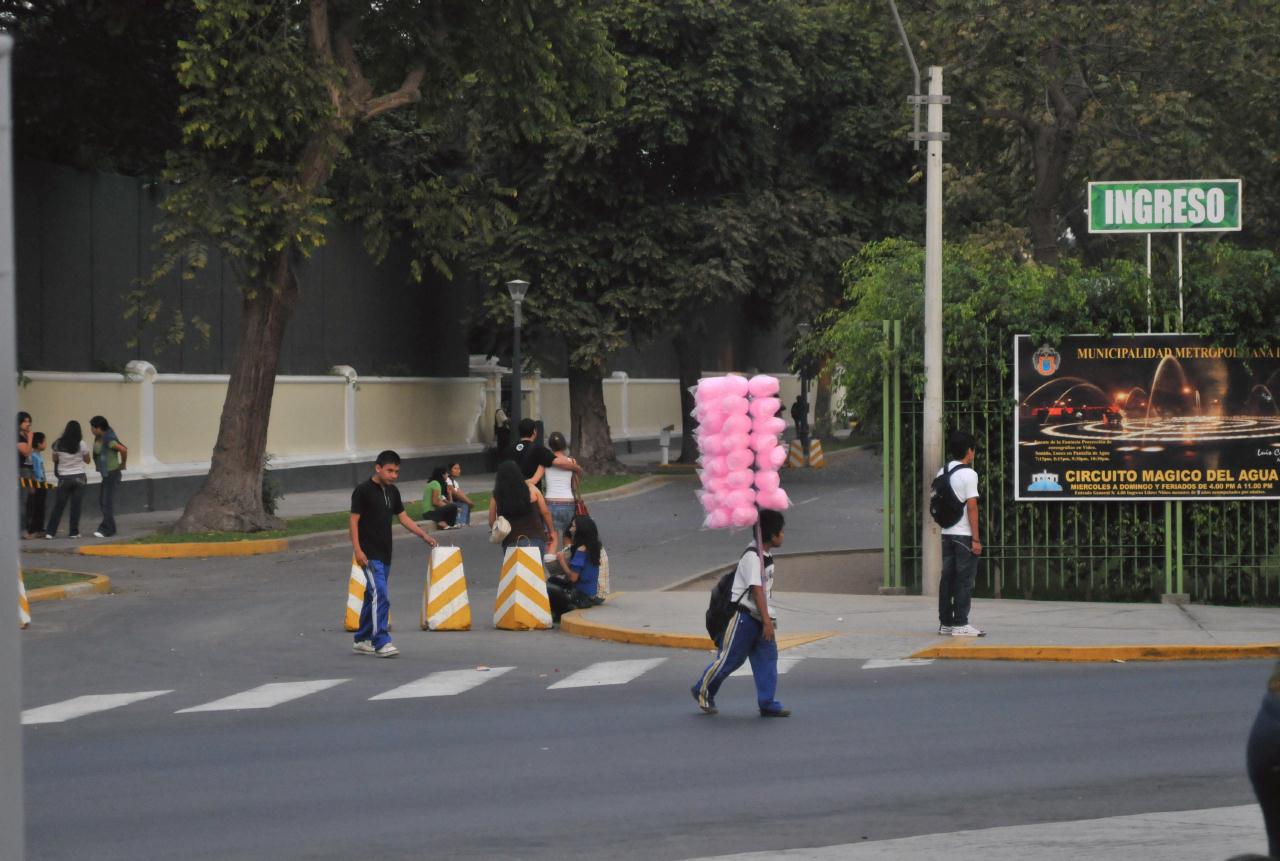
x=1224, y=552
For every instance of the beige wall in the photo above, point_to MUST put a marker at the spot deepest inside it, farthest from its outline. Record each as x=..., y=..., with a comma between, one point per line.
x=654, y=404
x=55, y=399
x=170, y=421
x=555, y=406
x=418, y=413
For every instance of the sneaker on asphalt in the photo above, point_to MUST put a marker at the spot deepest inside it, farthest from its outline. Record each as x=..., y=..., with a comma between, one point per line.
x=709, y=707
x=73, y=535
x=97, y=534
x=967, y=631
x=945, y=630
x=48, y=537
x=775, y=712
x=364, y=647
x=388, y=650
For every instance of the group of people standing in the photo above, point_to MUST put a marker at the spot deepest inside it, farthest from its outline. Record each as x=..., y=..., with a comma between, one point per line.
x=555, y=521
x=71, y=455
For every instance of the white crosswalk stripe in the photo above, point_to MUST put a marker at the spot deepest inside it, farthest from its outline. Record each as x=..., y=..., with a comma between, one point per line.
x=85, y=705
x=265, y=696
x=784, y=666
x=890, y=663
x=608, y=673
x=444, y=684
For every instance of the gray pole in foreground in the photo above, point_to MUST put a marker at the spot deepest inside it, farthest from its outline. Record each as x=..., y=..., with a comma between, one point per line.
x=931, y=432
x=11, y=804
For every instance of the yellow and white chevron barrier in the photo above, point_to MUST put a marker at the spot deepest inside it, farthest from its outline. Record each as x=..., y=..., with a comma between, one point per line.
x=522, y=603
x=24, y=607
x=795, y=456
x=445, y=606
x=816, y=460
x=355, y=597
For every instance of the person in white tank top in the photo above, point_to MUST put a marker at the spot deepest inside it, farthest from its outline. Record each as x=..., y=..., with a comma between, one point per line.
x=562, y=483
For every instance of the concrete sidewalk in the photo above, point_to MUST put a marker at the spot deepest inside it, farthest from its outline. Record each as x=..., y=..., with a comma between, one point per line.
x=131, y=526
x=904, y=626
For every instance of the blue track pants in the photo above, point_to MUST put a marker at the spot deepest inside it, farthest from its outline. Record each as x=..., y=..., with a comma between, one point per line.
x=742, y=641
x=376, y=608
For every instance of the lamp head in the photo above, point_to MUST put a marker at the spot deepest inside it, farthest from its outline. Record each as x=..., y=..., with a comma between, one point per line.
x=517, y=289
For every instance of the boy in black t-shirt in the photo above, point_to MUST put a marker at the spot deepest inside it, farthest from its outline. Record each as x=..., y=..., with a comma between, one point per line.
x=373, y=504
x=532, y=456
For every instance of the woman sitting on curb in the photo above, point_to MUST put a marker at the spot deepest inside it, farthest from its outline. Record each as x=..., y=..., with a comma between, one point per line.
x=456, y=496
x=436, y=506
x=579, y=560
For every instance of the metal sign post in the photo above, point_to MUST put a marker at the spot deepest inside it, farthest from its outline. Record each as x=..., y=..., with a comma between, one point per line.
x=12, y=827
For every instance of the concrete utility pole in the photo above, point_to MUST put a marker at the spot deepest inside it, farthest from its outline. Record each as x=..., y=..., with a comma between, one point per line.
x=931, y=433
x=12, y=825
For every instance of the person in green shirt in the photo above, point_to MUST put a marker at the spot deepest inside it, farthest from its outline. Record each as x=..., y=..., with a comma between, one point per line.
x=435, y=501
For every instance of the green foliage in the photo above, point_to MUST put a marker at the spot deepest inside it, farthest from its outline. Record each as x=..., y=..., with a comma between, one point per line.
x=752, y=153
x=987, y=298
x=1047, y=96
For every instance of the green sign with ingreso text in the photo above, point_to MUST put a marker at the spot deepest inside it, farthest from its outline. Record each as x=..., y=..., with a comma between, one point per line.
x=1164, y=206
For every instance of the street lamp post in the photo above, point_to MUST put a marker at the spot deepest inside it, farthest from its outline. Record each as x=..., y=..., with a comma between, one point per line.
x=517, y=289
x=802, y=422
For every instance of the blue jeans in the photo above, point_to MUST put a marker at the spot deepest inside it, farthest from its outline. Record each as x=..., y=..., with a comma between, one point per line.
x=375, y=612
x=955, y=590
x=107, y=502
x=464, y=514
x=561, y=515
x=742, y=640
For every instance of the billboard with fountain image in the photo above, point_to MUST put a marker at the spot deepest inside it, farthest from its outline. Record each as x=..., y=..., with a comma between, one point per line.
x=1146, y=417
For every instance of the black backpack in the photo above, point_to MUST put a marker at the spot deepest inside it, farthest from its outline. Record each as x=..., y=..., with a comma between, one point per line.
x=945, y=507
x=721, y=607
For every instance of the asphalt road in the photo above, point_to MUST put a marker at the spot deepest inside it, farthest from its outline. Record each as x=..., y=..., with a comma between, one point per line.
x=504, y=765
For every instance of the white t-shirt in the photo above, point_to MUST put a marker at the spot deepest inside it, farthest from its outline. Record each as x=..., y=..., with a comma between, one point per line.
x=748, y=575
x=964, y=481
x=559, y=483
x=70, y=463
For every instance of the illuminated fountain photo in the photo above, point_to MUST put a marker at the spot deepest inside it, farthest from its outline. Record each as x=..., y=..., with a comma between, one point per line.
x=1182, y=405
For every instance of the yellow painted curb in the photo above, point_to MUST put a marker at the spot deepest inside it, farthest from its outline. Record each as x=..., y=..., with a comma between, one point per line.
x=576, y=625
x=192, y=550
x=1171, y=652
x=96, y=583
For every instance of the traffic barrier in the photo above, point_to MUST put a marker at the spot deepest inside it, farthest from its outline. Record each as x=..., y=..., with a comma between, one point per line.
x=795, y=457
x=24, y=606
x=445, y=606
x=816, y=460
x=355, y=597
x=522, y=603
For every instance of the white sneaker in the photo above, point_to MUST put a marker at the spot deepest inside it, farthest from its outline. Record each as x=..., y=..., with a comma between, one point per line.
x=364, y=647
x=388, y=650
x=945, y=630
x=97, y=534
x=967, y=631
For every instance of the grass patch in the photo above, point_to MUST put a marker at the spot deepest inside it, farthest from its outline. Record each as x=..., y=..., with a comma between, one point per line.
x=337, y=520
x=38, y=578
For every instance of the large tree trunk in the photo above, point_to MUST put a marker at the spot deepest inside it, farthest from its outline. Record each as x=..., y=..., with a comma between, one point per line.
x=689, y=365
x=231, y=497
x=589, y=422
x=822, y=404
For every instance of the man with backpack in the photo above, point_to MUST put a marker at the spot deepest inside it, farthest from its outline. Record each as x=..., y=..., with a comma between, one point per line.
x=750, y=629
x=953, y=503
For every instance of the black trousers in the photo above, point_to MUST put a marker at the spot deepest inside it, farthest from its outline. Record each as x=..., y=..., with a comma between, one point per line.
x=1263, y=756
